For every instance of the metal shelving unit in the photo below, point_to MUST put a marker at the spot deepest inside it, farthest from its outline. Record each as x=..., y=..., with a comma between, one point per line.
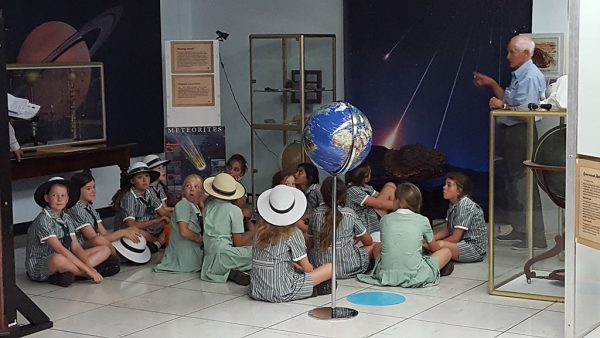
x=280, y=65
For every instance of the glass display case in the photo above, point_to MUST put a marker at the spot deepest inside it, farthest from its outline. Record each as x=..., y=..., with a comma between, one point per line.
x=71, y=100
x=290, y=75
x=526, y=204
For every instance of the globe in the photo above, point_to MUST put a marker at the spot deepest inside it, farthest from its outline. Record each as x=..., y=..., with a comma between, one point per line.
x=337, y=137
x=550, y=151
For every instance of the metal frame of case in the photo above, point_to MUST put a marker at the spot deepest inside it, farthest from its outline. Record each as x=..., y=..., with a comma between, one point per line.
x=10, y=68
x=493, y=283
x=284, y=91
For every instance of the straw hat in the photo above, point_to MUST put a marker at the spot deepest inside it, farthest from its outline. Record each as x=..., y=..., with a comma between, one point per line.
x=224, y=186
x=281, y=205
x=154, y=161
x=141, y=167
x=135, y=252
x=38, y=196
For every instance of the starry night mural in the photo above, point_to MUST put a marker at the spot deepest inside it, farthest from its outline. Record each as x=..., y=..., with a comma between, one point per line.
x=409, y=67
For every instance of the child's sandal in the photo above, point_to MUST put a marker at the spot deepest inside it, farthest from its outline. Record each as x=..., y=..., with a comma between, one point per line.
x=239, y=277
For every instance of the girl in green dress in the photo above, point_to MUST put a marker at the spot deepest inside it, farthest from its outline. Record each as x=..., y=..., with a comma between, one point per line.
x=401, y=261
x=184, y=252
x=227, y=248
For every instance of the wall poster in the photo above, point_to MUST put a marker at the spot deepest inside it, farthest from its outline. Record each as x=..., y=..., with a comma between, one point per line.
x=192, y=57
x=193, y=150
x=193, y=90
x=588, y=203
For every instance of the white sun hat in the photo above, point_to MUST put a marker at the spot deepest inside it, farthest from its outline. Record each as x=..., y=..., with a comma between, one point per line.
x=281, y=205
x=224, y=186
x=154, y=161
x=135, y=252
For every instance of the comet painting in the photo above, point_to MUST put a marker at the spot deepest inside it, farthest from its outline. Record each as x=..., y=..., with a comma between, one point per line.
x=409, y=66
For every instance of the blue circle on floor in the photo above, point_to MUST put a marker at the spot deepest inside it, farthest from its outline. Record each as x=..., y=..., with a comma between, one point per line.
x=376, y=298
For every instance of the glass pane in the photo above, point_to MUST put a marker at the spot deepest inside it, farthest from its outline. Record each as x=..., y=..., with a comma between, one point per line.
x=532, y=190
x=71, y=100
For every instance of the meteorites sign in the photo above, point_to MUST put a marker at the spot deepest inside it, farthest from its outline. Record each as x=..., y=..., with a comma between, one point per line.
x=193, y=150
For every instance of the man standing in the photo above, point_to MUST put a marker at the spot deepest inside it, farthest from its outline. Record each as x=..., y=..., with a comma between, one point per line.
x=527, y=85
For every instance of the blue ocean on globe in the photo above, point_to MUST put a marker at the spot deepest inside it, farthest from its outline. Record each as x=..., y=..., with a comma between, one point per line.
x=337, y=137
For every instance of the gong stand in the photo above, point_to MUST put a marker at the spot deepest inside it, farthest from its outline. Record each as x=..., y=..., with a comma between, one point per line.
x=11, y=297
x=558, y=274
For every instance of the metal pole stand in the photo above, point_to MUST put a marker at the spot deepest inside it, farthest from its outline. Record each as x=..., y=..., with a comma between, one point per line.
x=333, y=312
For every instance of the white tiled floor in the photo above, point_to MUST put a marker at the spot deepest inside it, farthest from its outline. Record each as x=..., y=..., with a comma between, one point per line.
x=140, y=303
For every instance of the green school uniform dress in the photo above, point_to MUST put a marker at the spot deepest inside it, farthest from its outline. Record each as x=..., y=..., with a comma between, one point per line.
x=182, y=254
x=402, y=262
x=221, y=220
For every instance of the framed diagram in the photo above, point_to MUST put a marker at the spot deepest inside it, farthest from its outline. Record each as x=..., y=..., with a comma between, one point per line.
x=549, y=53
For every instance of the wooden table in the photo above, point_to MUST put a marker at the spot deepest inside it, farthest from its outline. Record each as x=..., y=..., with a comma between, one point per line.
x=61, y=159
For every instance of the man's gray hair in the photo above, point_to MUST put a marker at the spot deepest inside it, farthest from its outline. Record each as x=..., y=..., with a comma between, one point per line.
x=524, y=42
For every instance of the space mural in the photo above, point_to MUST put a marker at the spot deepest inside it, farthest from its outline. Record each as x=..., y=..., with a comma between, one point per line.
x=409, y=67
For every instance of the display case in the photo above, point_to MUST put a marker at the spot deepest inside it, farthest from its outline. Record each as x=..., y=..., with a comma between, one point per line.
x=290, y=75
x=526, y=204
x=71, y=100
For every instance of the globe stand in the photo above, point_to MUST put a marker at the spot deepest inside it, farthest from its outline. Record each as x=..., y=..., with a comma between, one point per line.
x=333, y=312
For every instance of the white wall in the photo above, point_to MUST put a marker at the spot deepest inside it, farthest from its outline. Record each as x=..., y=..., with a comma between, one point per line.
x=583, y=283
x=550, y=16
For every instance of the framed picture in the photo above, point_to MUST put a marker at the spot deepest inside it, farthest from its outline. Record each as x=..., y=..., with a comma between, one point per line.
x=192, y=57
x=312, y=84
x=549, y=53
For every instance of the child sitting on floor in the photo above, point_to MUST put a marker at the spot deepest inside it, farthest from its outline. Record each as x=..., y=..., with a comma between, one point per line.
x=236, y=166
x=227, y=250
x=184, y=252
x=287, y=178
x=466, y=233
x=283, y=177
x=369, y=204
x=307, y=180
x=159, y=187
x=401, y=261
x=88, y=224
x=351, y=260
x=137, y=207
x=279, y=248
x=53, y=253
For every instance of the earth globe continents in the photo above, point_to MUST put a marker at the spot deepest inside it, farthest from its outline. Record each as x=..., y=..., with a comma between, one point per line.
x=337, y=137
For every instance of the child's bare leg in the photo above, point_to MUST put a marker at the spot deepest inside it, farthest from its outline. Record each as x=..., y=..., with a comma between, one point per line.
x=376, y=251
x=97, y=254
x=321, y=274
x=387, y=193
x=97, y=241
x=58, y=263
x=452, y=246
x=443, y=256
